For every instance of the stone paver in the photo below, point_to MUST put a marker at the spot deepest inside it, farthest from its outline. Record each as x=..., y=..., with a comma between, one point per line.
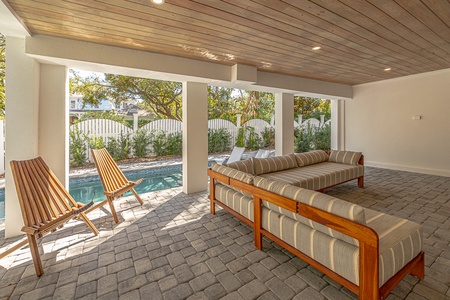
x=172, y=248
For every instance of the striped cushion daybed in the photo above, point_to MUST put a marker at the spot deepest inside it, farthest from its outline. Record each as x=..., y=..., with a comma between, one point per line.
x=315, y=170
x=366, y=251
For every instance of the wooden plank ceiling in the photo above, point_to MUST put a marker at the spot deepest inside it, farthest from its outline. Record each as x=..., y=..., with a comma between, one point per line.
x=358, y=39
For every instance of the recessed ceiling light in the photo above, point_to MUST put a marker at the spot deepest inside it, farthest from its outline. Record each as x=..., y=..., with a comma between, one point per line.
x=388, y=69
x=159, y=2
x=316, y=48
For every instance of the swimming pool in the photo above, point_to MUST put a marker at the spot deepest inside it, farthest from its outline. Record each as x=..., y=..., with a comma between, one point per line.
x=86, y=189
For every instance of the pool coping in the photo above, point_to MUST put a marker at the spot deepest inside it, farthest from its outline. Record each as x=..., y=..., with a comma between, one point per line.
x=131, y=166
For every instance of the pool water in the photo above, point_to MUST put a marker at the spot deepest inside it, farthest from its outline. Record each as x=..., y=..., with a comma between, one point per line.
x=86, y=189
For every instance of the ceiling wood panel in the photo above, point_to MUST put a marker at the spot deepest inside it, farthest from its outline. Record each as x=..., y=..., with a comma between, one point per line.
x=359, y=39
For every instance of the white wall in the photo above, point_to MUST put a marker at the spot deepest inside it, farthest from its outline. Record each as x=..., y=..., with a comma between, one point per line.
x=378, y=122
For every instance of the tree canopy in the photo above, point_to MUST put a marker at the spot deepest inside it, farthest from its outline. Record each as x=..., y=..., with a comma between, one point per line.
x=163, y=98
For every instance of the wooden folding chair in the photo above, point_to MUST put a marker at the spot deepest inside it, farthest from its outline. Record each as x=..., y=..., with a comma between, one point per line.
x=45, y=203
x=114, y=182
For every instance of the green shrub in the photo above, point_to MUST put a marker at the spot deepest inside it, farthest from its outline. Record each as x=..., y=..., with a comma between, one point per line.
x=312, y=138
x=240, y=140
x=170, y=144
x=322, y=138
x=253, y=141
x=77, y=147
x=158, y=142
x=96, y=142
x=140, y=142
x=268, y=136
x=219, y=140
x=119, y=148
x=174, y=144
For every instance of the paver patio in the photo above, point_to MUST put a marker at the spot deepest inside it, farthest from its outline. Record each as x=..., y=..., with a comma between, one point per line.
x=173, y=248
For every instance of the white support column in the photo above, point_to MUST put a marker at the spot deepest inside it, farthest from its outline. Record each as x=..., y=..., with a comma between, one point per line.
x=337, y=125
x=54, y=120
x=22, y=121
x=195, y=137
x=2, y=147
x=284, y=123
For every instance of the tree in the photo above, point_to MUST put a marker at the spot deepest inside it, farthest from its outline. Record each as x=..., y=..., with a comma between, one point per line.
x=253, y=104
x=220, y=103
x=225, y=103
x=2, y=75
x=312, y=107
x=163, y=98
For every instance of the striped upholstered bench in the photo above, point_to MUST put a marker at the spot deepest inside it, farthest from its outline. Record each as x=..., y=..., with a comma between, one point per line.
x=366, y=251
x=314, y=170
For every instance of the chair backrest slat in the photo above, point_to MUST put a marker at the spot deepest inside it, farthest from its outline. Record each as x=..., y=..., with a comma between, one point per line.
x=42, y=196
x=60, y=197
x=49, y=193
x=110, y=174
x=23, y=192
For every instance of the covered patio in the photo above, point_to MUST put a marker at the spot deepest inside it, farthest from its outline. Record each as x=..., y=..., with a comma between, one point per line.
x=385, y=65
x=173, y=248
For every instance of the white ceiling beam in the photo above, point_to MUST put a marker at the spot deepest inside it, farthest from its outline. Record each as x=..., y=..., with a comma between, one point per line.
x=102, y=58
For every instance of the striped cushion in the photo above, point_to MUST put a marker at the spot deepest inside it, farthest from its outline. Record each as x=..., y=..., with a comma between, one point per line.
x=242, y=165
x=273, y=164
x=235, y=174
x=318, y=176
x=324, y=202
x=310, y=158
x=336, y=255
x=400, y=241
x=235, y=200
x=345, y=157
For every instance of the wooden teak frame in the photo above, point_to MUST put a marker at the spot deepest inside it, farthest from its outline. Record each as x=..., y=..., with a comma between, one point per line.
x=368, y=287
x=45, y=204
x=114, y=182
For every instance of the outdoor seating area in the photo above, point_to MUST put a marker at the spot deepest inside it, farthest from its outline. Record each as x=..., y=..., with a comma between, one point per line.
x=235, y=150
x=171, y=247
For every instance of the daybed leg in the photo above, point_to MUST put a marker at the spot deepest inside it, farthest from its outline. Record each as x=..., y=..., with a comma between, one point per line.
x=257, y=224
x=419, y=269
x=212, y=196
x=361, y=181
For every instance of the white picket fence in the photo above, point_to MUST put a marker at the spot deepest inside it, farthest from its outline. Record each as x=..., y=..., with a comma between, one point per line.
x=105, y=129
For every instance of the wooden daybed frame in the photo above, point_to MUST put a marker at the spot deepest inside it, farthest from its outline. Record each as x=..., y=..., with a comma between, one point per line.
x=367, y=237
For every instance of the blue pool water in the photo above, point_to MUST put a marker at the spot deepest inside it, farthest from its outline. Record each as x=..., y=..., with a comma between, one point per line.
x=86, y=189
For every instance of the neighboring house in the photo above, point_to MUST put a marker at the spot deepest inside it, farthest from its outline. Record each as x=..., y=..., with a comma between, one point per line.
x=77, y=109
x=77, y=104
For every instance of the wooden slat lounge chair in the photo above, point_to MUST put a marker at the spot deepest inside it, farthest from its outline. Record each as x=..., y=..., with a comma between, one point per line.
x=114, y=182
x=45, y=203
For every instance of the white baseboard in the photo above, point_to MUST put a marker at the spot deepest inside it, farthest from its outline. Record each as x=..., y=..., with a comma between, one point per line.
x=439, y=172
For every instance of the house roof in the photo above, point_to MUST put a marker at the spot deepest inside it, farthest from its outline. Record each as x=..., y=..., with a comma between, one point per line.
x=358, y=39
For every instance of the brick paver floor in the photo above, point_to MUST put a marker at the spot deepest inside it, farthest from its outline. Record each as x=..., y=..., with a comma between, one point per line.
x=172, y=248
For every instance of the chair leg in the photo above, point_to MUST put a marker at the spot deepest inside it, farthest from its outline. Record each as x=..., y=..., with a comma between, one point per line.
x=113, y=210
x=89, y=223
x=137, y=196
x=35, y=255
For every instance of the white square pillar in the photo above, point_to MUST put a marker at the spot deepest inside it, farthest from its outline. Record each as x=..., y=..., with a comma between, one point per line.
x=337, y=125
x=284, y=123
x=22, y=121
x=54, y=120
x=195, y=137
